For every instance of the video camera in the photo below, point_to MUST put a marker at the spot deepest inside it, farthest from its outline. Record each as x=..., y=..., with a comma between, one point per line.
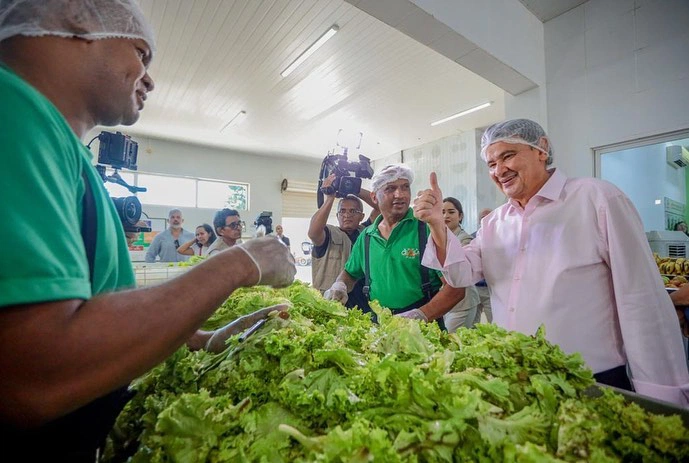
x=120, y=152
x=344, y=183
x=264, y=219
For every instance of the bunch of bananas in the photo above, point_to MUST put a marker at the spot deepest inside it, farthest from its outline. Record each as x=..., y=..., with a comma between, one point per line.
x=669, y=266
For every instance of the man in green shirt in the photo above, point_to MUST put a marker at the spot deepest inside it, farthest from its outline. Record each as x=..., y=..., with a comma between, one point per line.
x=394, y=255
x=73, y=331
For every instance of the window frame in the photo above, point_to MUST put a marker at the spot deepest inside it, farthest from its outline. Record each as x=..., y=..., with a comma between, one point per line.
x=135, y=173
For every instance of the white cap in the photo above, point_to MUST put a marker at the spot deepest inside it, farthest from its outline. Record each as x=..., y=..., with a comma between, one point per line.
x=87, y=19
x=391, y=173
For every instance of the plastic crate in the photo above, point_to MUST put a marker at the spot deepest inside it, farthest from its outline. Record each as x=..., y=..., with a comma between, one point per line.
x=649, y=404
x=153, y=274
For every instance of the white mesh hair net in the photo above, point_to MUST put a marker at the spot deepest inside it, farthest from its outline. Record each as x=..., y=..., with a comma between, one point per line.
x=522, y=131
x=391, y=173
x=87, y=19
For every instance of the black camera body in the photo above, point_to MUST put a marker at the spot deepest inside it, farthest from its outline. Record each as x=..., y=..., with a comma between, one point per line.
x=117, y=150
x=344, y=184
x=120, y=152
x=265, y=219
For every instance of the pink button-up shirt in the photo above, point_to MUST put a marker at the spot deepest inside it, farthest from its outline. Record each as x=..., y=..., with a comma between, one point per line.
x=576, y=259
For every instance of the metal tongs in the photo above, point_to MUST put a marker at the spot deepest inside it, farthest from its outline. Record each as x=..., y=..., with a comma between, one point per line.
x=224, y=355
x=252, y=329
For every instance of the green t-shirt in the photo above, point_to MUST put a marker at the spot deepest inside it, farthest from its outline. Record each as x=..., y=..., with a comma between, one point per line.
x=394, y=263
x=41, y=188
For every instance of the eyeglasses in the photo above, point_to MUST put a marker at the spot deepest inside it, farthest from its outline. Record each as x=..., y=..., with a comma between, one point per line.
x=349, y=211
x=235, y=225
x=176, y=244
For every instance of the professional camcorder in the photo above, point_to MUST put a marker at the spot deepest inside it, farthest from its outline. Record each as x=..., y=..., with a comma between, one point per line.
x=120, y=152
x=344, y=184
x=264, y=219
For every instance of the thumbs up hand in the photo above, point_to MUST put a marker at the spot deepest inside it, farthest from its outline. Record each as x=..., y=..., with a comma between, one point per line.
x=428, y=204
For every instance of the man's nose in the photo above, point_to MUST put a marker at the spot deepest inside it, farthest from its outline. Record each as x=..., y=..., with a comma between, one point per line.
x=148, y=83
x=500, y=168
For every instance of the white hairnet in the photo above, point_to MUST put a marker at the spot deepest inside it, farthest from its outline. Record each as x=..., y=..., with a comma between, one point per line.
x=88, y=19
x=391, y=173
x=522, y=131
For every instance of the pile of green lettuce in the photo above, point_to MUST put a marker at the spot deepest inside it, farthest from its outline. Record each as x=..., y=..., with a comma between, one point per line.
x=328, y=385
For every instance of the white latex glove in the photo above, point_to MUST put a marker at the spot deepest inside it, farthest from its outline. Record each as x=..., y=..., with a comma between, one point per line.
x=414, y=314
x=217, y=341
x=273, y=260
x=337, y=292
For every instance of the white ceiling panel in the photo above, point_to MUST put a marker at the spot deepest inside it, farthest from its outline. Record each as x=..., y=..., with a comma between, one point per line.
x=218, y=57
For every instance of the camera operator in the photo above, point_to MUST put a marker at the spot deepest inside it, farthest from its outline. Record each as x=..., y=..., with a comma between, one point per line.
x=166, y=243
x=228, y=227
x=73, y=331
x=332, y=245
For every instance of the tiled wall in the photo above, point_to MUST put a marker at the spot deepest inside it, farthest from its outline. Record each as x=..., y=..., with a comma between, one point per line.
x=616, y=70
x=453, y=159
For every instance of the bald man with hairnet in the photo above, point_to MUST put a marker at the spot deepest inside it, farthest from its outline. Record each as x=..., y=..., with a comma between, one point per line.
x=387, y=256
x=570, y=254
x=73, y=331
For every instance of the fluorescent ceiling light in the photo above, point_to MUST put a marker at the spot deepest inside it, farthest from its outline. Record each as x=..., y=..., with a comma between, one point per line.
x=236, y=120
x=311, y=50
x=463, y=113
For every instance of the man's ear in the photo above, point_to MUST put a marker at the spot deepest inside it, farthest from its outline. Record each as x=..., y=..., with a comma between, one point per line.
x=373, y=197
x=543, y=143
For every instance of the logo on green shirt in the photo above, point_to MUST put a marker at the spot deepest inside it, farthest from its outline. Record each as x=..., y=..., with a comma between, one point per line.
x=410, y=253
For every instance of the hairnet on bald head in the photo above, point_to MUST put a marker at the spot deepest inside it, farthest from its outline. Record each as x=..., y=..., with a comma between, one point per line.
x=86, y=19
x=522, y=131
x=391, y=173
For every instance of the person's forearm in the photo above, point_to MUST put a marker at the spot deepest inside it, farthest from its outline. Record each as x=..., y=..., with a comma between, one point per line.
x=185, y=249
x=439, y=236
x=443, y=302
x=365, y=196
x=681, y=296
x=64, y=354
x=319, y=220
x=347, y=279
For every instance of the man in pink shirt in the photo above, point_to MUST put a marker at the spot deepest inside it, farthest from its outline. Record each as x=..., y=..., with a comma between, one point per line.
x=568, y=253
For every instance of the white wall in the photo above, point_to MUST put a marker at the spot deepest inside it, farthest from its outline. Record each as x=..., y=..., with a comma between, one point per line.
x=263, y=173
x=616, y=70
x=508, y=31
x=503, y=28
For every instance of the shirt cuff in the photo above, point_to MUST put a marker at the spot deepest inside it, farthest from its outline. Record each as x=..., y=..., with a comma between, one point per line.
x=677, y=395
x=454, y=253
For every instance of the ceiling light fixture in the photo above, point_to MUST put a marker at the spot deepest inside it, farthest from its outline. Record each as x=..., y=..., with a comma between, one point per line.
x=236, y=120
x=463, y=113
x=311, y=50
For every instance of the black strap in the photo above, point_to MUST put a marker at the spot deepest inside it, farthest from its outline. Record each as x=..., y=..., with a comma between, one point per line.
x=426, y=288
x=367, y=270
x=89, y=219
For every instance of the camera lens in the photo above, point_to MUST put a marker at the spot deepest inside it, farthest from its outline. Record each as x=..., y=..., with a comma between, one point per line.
x=129, y=210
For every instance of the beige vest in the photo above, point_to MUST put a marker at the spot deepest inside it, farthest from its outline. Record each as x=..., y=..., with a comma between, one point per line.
x=326, y=269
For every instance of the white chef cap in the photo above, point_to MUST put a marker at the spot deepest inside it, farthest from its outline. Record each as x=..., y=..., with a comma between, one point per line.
x=524, y=131
x=391, y=173
x=87, y=19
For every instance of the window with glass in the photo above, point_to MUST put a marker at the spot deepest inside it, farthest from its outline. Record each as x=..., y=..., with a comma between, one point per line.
x=170, y=190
